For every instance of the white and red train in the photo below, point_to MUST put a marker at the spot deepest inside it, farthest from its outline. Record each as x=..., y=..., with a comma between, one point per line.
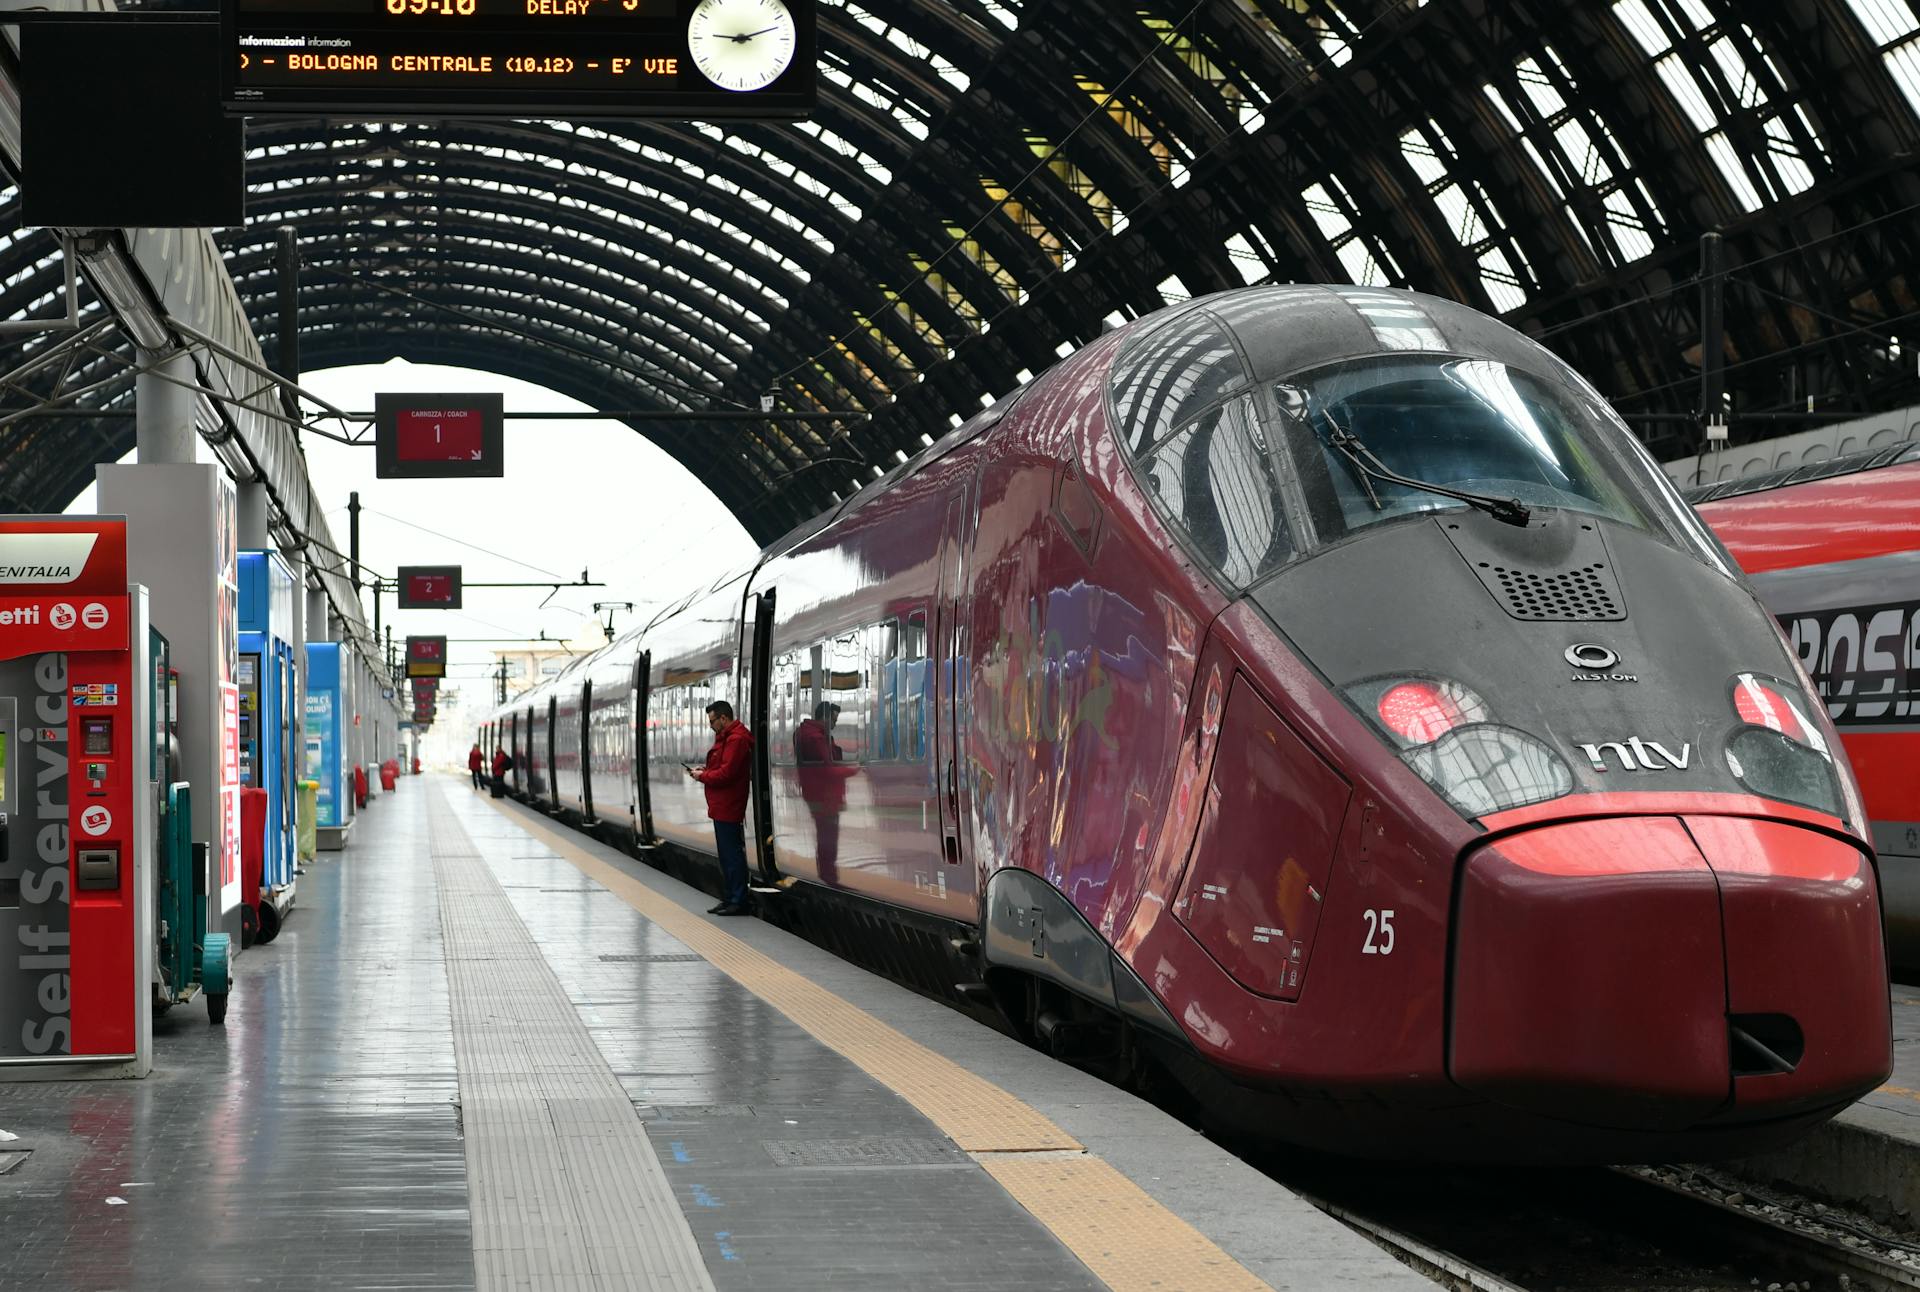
x=1317, y=694
x=1833, y=549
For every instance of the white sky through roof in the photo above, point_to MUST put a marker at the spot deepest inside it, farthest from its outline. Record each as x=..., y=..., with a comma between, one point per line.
x=576, y=493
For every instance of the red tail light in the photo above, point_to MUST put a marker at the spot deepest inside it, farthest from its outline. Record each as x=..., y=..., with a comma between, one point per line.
x=1762, y=705
x=1422, y=712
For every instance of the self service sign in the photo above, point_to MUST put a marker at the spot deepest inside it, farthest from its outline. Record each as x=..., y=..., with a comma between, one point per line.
x=75, y=829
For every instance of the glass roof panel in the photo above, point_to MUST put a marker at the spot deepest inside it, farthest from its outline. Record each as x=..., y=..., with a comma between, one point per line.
x=1893, y=26
x=1469, y=213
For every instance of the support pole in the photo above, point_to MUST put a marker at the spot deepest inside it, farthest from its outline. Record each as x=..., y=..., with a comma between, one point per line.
x=353, y=541
x=163, y=411
x=1713, y=338
x=290, y=322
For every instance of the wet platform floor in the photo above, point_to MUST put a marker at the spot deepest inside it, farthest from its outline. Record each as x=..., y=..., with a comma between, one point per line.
x=318, y=1139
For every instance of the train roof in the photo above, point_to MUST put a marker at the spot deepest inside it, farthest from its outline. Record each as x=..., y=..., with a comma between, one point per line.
x=1284, y=329
x=1826, y=469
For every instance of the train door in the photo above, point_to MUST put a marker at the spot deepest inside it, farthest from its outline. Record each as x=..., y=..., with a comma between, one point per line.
x=759, y=651
x=553, y=780
x=948, y=657
x=586, y=745
x=643, y=792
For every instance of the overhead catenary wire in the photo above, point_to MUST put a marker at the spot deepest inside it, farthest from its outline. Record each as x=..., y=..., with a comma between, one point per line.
x=1693, y=280
x=525, y=565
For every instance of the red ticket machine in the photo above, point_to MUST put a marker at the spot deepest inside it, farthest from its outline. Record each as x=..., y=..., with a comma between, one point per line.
x=76, y=809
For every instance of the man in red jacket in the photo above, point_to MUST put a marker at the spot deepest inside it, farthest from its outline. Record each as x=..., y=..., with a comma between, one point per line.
x=729, y=764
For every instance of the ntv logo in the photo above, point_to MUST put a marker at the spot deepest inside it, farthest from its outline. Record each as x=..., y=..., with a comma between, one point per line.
x=1637, y=755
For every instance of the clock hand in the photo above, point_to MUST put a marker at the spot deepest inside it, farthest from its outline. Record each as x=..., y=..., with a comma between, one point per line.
x=741, y=40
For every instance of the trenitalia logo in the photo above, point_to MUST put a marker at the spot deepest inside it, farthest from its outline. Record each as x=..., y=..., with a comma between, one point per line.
x=44, y=558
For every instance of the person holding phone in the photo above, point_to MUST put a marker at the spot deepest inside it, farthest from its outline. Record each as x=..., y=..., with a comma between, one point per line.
x=724, y=777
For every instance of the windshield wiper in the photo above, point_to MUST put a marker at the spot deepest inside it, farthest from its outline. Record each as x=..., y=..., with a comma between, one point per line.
x=1370, y=468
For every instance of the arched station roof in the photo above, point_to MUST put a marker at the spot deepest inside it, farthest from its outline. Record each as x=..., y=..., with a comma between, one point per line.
x=988, y=183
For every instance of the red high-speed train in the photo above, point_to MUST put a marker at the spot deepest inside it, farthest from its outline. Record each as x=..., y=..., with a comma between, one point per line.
x=1833, y=548
x=1314, y=693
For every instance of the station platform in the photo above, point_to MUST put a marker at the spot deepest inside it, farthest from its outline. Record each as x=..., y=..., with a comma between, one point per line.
x=486, y=1052
x=1869, y=1156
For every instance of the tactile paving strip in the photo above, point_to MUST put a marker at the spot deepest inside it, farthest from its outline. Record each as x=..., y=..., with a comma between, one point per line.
x=1112, y=1225
x=1116, y=1229
x=564, y=1187
x=972, y=1111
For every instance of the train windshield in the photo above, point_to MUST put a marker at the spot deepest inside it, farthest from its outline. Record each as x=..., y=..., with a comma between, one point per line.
x=1473, y=426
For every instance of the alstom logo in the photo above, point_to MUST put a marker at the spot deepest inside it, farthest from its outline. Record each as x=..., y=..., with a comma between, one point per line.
x=1637, y=755
x=44, y=558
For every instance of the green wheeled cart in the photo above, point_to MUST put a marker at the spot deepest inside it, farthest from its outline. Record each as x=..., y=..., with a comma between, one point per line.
x=189, y=960
x=192, y=960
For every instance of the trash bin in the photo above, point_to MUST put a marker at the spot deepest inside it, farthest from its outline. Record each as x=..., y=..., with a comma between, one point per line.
x=388, y=777
x=306, y=821
x=253, y=850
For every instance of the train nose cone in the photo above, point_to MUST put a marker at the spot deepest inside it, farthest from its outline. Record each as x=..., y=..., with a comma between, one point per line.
x=1655, y=973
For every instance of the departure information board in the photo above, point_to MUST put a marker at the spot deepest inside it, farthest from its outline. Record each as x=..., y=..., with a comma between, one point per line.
x=674, y=59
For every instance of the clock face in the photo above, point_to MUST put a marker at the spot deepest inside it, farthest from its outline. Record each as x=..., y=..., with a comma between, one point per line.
x=741, y=44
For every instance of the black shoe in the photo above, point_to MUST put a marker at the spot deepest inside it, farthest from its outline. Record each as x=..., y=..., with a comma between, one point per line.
x=718, y=908
x=733, y=908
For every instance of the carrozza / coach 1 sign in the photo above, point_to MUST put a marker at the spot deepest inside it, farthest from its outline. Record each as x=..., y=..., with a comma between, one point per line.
x=427, y=437
x=676, y=59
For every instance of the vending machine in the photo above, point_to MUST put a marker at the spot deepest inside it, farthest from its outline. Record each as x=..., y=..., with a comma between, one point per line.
x=76, y=828
x=269, y=723
x=325, y=748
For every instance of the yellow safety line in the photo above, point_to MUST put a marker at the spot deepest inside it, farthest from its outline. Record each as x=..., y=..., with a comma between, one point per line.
x=1902, y=1091
x=1112, y=1225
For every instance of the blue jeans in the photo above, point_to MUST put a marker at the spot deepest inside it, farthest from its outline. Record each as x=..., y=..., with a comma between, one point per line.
x=731, y=838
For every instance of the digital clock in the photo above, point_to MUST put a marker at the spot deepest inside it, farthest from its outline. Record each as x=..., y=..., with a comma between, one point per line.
x=445, y=8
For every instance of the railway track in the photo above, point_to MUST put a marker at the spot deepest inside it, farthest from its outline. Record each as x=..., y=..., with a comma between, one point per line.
x=1661, y=1229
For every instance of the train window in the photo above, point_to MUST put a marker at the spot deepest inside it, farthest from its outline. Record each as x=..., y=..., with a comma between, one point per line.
x=1476, y=425
x=1216, y=481
x=1175, y=371
x=784, y=706
x=913, y=687
x=847, y=686
x=886, y=684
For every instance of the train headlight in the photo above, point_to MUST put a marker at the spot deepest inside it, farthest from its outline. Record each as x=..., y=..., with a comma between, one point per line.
x=1445, y=734
x=1487, y=768
x=1779, y=751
